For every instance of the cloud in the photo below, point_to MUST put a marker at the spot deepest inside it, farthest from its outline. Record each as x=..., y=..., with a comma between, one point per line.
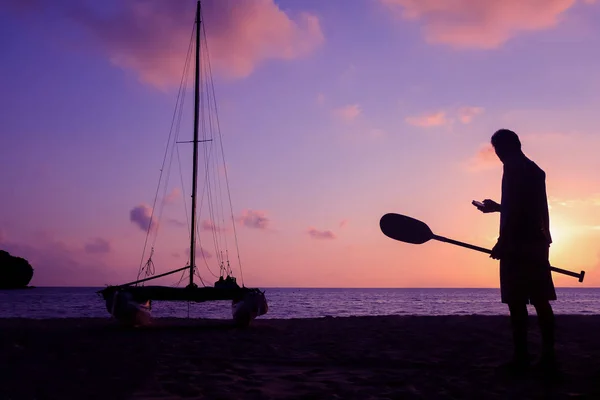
x=173, y=196
x=427, y=120
x=593, y=201
x=348, y=113
x=343, y=223
x=318, y=234
x=485, y=158
x=201, y=252
x=176, y=222
x=254, y=219
x=151, y=37
x=57, y=264
x=466, y=114
x=97, y=246
x=208, y=225
x=141, y=215
x=205, y=253
x=483, y=24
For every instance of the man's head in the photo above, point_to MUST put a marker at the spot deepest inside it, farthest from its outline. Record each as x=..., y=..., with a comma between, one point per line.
x=506, y=143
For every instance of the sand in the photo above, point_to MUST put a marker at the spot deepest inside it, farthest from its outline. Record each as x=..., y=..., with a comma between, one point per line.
x=329, y=358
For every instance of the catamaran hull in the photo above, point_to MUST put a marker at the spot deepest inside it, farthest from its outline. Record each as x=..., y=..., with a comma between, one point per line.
x=131, y=305
x=125, y=309
x=251, y=305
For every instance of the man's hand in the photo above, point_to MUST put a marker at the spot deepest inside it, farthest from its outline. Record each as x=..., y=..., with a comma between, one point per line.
x=497, y=251
x=489, y=206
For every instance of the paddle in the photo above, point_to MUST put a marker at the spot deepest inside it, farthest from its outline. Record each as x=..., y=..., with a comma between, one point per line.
x=410, y=230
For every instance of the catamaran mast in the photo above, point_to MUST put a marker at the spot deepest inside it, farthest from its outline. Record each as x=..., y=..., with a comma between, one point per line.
x=195, y=141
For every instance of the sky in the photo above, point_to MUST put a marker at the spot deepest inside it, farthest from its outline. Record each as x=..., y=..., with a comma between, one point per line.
x=332, y=113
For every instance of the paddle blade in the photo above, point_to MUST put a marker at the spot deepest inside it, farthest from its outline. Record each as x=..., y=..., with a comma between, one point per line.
x=405, y=229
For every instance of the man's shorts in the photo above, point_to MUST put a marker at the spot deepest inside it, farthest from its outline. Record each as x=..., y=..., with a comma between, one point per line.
x=525, y=277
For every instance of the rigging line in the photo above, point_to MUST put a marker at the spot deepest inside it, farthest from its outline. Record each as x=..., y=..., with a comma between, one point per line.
x=182, y=277
x=196, y=273
x=184, y=197
x=211, y=211
x=187, y=219
x=224, y=163
x=163, y=203
x=204, y=186
x=218, y=212
x=211, y=197
x=222, y=237
x=202, y=250
x=162, y=167
x=199, y=276
x=203, y=255
x=207, y=149
x=149, y=266
x=207, y=155
x=177, y=133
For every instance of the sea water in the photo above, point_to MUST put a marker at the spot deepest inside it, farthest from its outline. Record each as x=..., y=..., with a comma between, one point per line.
x=74, y=302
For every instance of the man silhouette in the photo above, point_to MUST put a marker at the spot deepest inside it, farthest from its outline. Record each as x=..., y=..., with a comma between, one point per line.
x=523, y=247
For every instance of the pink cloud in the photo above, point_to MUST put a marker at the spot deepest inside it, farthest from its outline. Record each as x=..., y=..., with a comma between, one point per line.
x=176, y=222
x=151, y=37
x=97, y=246
x=141, y=216
x=479, y=23
x=343, y=223
x=466, y=114
x=254, y=219
x=438, y=118
x=200, y=251
x=57, y=264
x=173, y=196
x=321, y=234
x=592, y=200
x=484, y=159
x=208, y=225
x=348, y=113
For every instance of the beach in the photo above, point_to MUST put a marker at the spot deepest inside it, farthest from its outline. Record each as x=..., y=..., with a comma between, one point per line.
x=379, y=357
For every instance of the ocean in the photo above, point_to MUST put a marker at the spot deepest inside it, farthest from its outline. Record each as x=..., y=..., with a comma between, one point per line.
x=75, y=302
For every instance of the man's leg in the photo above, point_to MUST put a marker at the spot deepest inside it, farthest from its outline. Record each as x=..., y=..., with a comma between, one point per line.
x=546, y=324
x=519, y=322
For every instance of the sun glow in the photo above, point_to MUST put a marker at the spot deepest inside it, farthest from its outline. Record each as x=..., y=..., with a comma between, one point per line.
x=561, y=234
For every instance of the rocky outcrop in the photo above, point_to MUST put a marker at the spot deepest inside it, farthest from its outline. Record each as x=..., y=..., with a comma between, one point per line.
x=15, y=272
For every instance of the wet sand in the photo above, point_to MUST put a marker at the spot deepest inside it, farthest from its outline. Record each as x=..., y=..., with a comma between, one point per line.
x=330, y=358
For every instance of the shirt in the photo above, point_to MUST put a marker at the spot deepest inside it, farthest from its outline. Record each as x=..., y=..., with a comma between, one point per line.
x=524, y=216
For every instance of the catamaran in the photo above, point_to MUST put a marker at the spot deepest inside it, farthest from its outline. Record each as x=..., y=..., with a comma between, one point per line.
x=131, y=303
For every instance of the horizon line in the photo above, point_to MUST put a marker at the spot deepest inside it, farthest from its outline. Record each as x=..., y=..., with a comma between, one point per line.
x=345, y=287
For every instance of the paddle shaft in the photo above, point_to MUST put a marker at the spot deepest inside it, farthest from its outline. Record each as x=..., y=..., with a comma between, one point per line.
x=487, y=251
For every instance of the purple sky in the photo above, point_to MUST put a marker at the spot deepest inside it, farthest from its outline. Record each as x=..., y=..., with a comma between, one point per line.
x=333, y=113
